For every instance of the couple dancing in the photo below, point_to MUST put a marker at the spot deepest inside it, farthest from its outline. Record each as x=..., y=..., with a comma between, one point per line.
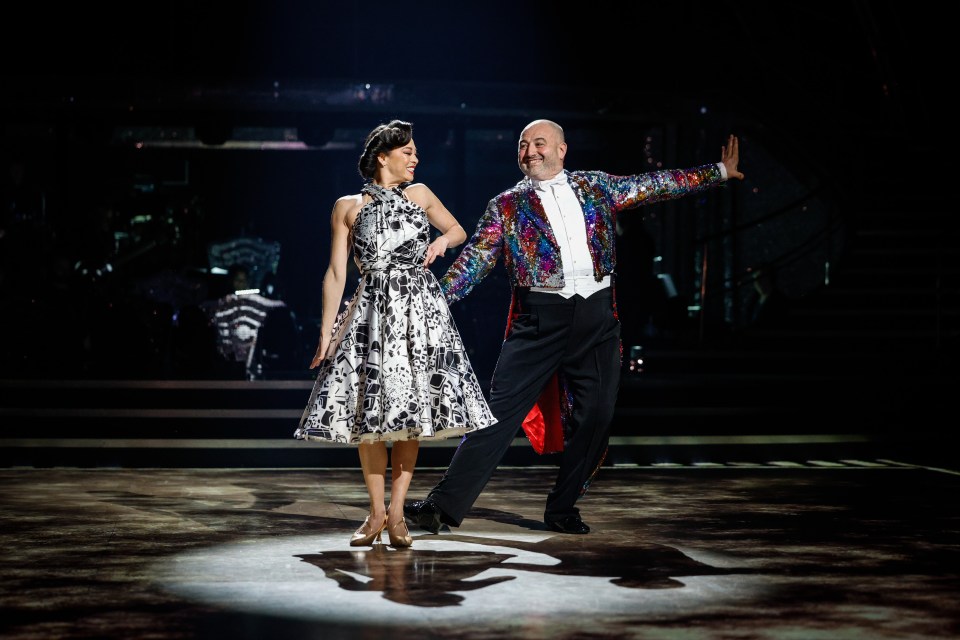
x=392, y=366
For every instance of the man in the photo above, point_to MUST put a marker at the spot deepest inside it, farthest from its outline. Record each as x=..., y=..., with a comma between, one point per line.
x=559, y=368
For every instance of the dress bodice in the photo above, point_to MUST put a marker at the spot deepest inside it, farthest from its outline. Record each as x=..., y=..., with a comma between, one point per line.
x=390, y=231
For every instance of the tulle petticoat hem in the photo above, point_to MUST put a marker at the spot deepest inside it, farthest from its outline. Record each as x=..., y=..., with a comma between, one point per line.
x=318, y=435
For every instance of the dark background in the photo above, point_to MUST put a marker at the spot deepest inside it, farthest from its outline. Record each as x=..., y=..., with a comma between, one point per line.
x=121, y=112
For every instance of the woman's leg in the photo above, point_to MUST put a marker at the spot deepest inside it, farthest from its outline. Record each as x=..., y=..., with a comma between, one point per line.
x=373, y=462
x=403, y=459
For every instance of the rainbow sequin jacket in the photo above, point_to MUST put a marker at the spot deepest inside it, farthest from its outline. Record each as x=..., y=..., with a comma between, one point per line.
x=515, y=226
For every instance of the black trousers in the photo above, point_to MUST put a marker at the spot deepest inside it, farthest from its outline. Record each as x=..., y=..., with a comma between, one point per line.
x=578, y=337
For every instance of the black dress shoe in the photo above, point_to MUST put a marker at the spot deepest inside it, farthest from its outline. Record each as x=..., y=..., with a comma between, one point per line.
x=570, y=524
x=425, y=514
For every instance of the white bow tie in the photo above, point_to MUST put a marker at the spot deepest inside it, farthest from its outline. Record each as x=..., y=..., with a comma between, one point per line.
x=543, y=184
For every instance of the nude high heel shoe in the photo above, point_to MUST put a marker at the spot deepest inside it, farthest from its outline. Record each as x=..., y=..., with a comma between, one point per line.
x=366, y=535
x=399, y=534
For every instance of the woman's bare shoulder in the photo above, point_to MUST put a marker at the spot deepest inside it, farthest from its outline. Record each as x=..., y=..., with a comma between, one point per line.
x=354, y=201
x=347, y=207
x=419, y=193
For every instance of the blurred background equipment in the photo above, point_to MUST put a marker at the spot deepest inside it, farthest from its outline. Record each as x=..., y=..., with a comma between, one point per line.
x=259, y=257
x=256, y=332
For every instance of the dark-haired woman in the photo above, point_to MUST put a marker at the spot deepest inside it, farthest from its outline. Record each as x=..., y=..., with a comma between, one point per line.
x=392, y=366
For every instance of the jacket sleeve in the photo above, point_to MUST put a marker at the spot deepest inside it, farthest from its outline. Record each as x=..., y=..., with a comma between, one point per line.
x=657, y=186
x=477, y=258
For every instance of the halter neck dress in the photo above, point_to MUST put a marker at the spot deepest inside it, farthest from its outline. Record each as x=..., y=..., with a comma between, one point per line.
x=396, y=368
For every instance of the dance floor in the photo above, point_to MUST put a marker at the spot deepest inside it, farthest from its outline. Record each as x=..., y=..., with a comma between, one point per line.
x=789, y=548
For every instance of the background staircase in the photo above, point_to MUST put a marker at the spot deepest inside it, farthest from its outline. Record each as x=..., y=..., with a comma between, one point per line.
x=863, y=367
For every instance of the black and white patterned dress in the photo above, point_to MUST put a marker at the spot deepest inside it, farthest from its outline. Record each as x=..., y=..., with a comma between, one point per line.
x=396, y=368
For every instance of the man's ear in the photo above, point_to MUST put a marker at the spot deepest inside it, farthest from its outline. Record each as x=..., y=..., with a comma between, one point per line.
x=562, y=150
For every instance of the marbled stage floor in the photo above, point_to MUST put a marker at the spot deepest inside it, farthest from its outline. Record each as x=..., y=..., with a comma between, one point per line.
x=865, y=549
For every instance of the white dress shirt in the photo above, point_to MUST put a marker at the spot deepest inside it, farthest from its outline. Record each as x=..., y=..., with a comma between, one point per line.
x=569, y=227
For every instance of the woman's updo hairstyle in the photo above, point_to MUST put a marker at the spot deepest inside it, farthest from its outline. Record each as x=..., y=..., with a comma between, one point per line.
x=384, y=139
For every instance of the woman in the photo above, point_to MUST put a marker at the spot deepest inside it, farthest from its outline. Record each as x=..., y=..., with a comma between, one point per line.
x=392, y=364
